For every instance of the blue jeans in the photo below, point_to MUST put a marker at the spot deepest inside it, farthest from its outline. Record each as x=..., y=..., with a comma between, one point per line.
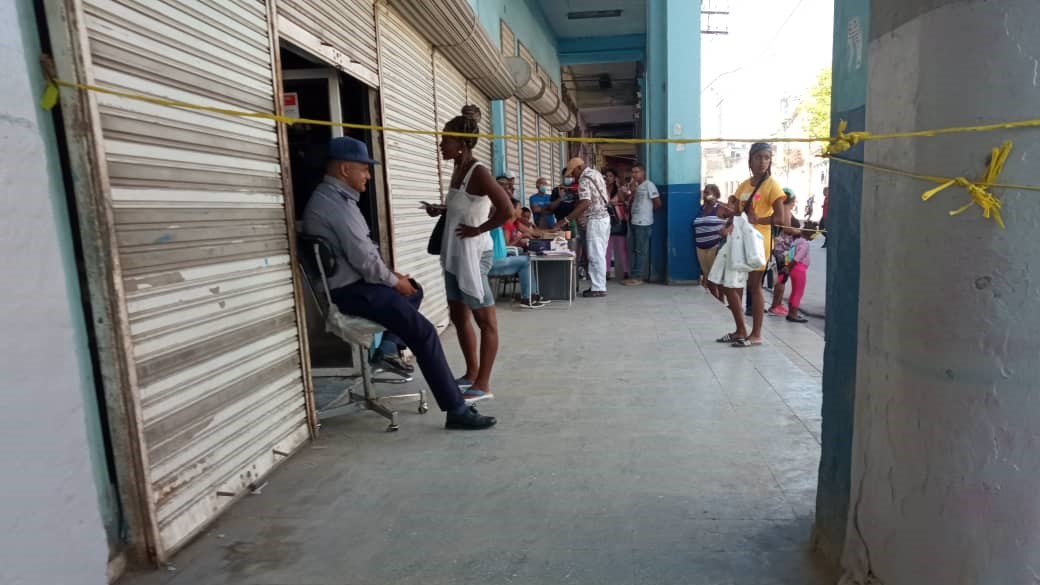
x=641, y=251
x=517, y=265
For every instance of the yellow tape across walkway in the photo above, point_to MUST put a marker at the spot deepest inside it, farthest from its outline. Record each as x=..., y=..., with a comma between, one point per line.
x=835, y=144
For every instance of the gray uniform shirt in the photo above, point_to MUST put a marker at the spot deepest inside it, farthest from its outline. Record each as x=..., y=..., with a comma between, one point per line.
x=333, y=214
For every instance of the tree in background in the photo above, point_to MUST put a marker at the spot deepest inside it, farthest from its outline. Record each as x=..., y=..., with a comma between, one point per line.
x=817, y=105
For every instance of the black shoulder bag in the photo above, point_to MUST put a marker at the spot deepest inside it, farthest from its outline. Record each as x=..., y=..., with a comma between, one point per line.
x=436, y=243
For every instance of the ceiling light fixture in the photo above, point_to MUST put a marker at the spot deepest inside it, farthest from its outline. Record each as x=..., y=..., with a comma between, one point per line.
x=593, y=14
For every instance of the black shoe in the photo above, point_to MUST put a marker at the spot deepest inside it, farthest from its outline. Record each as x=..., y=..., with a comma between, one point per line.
x=594, y=294
x=396, y=364
x=469, y=420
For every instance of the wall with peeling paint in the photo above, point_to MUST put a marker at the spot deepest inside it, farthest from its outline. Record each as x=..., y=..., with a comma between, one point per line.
x=49, y=509
x=946, y=449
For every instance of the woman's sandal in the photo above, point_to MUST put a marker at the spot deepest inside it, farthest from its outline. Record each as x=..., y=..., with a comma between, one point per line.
x=729, y=338
x=745, y=343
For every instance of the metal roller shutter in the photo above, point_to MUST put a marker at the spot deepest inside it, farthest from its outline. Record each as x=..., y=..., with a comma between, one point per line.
x=513, y=146
x=406, y=80
x=449, y=95
x=555, y=163
x=476, y=97
x=529, y=148
x=347, y=25
x=203, y=249
x=545, y=149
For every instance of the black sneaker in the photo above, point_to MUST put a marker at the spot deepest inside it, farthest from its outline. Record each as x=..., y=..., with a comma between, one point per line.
x=469, y=420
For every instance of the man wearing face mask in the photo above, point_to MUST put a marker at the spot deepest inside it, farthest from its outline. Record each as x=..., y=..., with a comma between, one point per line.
x=591, y=209
x=539, y=202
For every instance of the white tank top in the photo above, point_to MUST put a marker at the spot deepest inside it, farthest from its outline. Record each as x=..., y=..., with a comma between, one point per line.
x=462, y=257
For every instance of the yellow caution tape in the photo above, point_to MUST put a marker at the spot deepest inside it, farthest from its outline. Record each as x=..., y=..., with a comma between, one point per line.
x=979, y=190
x=835, y=144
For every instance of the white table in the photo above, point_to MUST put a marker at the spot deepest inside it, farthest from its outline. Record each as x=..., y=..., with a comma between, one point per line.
x=569, y=259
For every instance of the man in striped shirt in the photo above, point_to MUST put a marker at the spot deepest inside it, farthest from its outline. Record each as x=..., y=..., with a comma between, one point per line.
x=706, y=235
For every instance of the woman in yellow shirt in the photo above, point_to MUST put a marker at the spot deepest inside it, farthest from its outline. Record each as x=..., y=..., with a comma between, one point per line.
x=762, y=198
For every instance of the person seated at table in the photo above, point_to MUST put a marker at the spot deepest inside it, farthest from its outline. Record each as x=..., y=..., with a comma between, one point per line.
x=539, y=201
x=519, y=266
x=526, y=217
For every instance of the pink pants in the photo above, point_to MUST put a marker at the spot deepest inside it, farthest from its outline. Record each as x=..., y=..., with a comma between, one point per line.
x=620, y=244
x=798, y=272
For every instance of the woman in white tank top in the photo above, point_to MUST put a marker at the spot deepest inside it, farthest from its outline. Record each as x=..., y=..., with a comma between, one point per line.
x=466, y=251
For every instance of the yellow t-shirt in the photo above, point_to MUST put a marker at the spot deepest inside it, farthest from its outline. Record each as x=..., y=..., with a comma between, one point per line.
x=767, y=194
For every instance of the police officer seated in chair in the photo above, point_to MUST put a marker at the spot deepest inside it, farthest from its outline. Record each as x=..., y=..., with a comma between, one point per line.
x=363, y=286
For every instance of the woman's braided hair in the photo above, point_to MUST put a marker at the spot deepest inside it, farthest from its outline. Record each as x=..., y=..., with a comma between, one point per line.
x=467, y=123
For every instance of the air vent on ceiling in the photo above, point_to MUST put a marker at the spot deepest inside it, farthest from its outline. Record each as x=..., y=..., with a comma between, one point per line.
x=585, y=14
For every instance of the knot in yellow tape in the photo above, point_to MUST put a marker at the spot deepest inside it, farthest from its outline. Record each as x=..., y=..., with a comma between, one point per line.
x=844, y=140
x=978, y=190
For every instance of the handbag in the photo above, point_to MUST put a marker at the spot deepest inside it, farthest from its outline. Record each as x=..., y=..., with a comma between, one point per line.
x=436, y=243
x=618, y=226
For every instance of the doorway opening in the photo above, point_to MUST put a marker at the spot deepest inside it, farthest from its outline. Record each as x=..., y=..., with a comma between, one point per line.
x=314, y=90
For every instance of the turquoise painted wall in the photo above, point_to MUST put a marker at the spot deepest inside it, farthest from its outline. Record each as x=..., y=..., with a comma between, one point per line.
x=527, y=21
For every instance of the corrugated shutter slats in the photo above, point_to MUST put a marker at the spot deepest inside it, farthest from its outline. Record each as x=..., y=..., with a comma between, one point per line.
x=203, y=248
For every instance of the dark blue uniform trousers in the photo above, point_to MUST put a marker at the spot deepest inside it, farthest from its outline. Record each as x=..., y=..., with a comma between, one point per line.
x=400, y=315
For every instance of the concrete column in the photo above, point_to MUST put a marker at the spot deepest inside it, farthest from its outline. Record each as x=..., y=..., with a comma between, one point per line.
x=55, y=478
x=946, y=449
x=672, y=102
x=848, y=102
x=498, y=146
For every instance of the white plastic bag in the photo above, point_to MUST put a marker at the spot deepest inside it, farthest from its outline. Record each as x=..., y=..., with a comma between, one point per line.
x=721, y=273
x=752, y=254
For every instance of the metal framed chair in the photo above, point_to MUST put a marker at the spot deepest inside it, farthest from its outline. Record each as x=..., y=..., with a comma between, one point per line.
x=318, y=264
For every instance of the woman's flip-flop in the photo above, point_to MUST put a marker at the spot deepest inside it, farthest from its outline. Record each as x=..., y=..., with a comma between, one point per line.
x=729, y=338
x=745, y=343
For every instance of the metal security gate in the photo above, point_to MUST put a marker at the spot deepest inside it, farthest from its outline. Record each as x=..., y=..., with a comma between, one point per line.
x=545, y=157
x=449, y=95
x=406, y=80
x=529, y=148
x=202, y=283
x=331, y=28
x=476, y=97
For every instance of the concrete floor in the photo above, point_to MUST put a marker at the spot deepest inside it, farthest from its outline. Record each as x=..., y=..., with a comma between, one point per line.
x=631, y=448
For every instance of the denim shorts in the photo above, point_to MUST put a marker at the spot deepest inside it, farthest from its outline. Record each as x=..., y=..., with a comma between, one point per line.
x=455, y=294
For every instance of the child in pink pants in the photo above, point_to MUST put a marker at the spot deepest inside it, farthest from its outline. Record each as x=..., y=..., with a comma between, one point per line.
x=799, y=254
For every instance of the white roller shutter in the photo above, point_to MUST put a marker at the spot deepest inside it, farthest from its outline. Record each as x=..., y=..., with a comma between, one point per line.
x=555, y=164
x=484, y=146
x=406, y=74
x=203, y=252
x=343, y=31
x=529, y=148
x=545, y=149
x=449, y=95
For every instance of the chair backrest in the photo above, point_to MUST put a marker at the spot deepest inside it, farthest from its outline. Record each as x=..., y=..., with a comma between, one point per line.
x=318, y=264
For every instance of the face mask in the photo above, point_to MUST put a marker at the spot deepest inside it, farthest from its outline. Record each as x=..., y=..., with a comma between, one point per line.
x=544, y=189
x=568, y=181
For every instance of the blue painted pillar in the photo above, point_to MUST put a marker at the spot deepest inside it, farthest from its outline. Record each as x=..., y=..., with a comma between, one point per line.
x=498, y=146
x=672, y=108
x=849, y=98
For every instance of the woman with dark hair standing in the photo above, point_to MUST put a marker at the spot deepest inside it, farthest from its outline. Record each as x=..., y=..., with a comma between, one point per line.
x=617, y=246
x=762, y=198
x=467, y=250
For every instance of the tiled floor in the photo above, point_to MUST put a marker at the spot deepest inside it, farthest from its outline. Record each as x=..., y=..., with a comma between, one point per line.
x=631, y=448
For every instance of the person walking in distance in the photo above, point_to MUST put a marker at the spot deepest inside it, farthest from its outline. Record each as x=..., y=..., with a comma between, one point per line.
x=645, y=201
x=592, y=209
x=365, y=287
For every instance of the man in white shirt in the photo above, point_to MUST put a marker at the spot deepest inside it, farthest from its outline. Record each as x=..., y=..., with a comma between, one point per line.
x=592, y=208
x=645, y=201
